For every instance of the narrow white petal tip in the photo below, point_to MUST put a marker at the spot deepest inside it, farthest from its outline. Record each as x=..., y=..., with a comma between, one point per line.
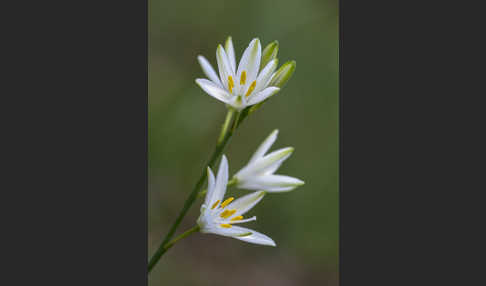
x=223, y=158
x=287, y=150
x=200, y=81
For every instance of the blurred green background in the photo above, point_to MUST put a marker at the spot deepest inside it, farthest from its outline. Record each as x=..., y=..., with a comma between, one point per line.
x=184, y=123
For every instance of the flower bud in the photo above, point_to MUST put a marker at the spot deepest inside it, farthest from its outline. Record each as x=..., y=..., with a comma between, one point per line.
x=283, y=74
x=269, y=53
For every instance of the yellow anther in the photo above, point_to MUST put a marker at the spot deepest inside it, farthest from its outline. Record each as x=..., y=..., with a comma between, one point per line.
x=225, y=225
x=226, y=202
x=237, y=218
x=231, y=84
x=227, y=213
x=215, y=204
x=251, y=88
x=243, y=78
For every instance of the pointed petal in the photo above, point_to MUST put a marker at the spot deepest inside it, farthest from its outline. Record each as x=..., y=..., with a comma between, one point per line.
x=230, y=52
x=209, y=71
x=265, y=75
x=223, y=66
x=253, y=218
x=265, y=146
x=211, y=183
x=244, y=204
x=276, y=183
x=274, y=166
x=262, y=95
x=221, y=180
x=250, y=62
x=233, y=231
x=255, y=237
x=268, y=162
x=212, y=89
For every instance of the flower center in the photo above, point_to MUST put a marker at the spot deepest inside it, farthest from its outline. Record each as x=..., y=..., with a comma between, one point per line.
x=231, y=84
x=226, y=202
x=233, y=220
x=215, y=204
x=243, y=78
x=251, y=88
x=227, y=213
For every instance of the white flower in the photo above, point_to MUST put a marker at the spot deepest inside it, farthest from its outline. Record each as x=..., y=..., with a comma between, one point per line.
x=218, y=216
x=258, y=173
x=244, y=86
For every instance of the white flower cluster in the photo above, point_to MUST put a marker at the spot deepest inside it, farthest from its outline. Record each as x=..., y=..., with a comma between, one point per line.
x=253, y=81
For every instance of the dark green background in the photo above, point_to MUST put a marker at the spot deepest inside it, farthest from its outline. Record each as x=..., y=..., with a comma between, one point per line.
x=184, y=123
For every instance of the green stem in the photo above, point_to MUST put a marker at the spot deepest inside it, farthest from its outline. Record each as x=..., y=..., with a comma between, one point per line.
x=163, y=248
x=226, y=123
x=235, y=123
x=193, y=195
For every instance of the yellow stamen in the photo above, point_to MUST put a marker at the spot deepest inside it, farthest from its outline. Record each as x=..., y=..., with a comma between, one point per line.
x=251, y=88
x=227, y=213
x=225, y=225
x=215, y=204
x=237, y=218
x=226, y=202
x=231, y=84
x=243, y=78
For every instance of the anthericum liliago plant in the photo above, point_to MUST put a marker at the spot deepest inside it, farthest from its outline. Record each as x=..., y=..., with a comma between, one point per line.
x=243, y=88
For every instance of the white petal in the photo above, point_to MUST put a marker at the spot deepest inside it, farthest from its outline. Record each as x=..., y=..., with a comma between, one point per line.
x=250, y=62
x=264, y=77
x=274, y=183
x=230, y=52
x=266, y=163
x=245, y=203
x=221, y=180
x=223, y=66
x=264, y=147
x=255, y=237
x=211, y=183
x=253, y=218
x=212, y=89
x=262, y=95
x=272, y=168
x=233, y=231
x=209, y=71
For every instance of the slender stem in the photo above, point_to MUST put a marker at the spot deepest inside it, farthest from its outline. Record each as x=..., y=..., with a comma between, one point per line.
x=226, y=123
x=193, y=195
x=235, y=123
x=163, y=248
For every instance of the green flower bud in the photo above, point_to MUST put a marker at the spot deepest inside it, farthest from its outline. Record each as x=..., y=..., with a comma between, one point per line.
x=269, y=53
x=283, y=74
